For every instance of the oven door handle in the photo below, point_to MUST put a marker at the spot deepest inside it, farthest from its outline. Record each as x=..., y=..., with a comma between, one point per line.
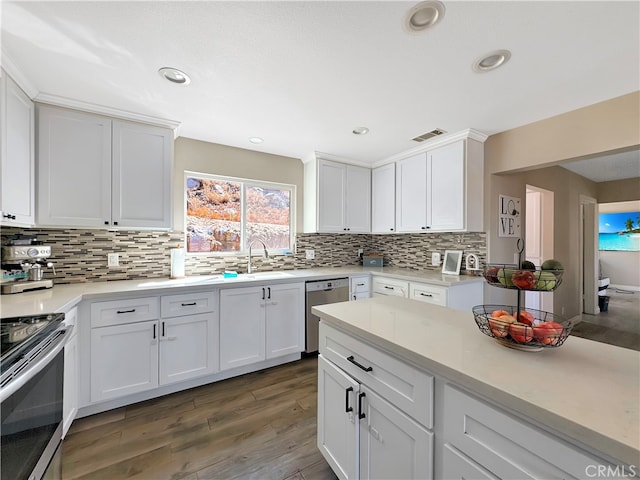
x=41, y=361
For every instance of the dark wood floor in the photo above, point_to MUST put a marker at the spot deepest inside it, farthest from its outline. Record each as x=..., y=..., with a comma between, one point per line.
x=258, y=426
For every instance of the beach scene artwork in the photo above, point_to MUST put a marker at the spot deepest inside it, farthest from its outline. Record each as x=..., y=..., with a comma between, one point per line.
x=619, y=231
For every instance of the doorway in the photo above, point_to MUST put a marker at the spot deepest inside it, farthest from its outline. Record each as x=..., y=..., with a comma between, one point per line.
x=539, y=239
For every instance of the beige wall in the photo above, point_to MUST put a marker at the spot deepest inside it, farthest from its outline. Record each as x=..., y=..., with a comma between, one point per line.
x=204, y=157
x=517, y=157
x=619, y=190
x=603, y=127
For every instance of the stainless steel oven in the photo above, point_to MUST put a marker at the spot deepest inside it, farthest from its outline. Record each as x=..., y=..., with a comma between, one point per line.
x=31, y=391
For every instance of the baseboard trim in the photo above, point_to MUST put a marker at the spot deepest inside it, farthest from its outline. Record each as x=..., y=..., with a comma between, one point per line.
x=634, y=288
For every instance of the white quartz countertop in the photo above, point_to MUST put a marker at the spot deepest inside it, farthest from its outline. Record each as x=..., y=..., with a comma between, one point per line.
x=64, y=297
x=586, y=390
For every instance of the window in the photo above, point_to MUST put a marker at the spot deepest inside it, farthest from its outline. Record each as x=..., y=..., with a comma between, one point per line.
x=226, y=215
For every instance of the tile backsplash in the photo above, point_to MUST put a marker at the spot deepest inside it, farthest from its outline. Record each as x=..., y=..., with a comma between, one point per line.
x=80, y=255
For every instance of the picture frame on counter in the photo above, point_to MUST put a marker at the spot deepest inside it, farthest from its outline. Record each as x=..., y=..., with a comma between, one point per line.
x=452, y=262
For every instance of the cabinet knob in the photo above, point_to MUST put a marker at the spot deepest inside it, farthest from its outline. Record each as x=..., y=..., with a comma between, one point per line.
x=391, y=229
x=106, y=222
x=9, y=216
x=115, y=223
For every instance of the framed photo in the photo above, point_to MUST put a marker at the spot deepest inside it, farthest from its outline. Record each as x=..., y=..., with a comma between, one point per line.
x=452, y=262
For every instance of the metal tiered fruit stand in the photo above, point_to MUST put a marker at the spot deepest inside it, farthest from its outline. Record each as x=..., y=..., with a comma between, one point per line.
x=517, y=326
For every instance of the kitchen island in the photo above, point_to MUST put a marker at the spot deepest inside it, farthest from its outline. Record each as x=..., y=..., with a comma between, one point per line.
x=476, y=408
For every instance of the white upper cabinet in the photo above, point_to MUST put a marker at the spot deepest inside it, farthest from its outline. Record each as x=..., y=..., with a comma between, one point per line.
x=411, y=194
x=445, y=177
x=441, y=190
x=337, y=197
x=17, y=145
x=95, y=172
x=383, y=199
x=142, y=170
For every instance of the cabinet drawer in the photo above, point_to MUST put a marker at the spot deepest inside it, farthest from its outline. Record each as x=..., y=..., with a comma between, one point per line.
x=506, y=446
x=403, y=385
x=118, y=312
x=187, y=304
x=360, y=285
x=428, y=293
x=390, y=286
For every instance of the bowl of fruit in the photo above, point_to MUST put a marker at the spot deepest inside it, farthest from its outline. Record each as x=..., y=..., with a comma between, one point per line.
x=526, y=277
x=527, y=329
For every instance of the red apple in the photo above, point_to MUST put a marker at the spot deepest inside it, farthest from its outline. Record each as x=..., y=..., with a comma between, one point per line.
x=499, y=325
x=526, y=318
x=499, y=313
x=491, y=274
x=548, y=333
x=524, y=279
x=521, y=332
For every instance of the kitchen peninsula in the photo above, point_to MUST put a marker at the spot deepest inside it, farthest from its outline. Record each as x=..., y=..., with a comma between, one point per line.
x=419, y=387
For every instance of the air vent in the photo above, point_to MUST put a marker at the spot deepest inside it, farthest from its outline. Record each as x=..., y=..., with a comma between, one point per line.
x=426, y=136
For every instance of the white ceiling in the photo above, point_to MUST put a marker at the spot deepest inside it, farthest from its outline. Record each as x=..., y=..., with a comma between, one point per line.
x=303, y=75
x=617, y=166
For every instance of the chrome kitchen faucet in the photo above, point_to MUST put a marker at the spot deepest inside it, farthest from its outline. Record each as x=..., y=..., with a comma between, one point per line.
x=266, y=254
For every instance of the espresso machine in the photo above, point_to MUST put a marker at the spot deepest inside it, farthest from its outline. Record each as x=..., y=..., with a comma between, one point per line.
x=23, y=262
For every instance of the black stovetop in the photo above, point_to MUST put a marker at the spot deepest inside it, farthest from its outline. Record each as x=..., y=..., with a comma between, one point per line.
x=19, y=334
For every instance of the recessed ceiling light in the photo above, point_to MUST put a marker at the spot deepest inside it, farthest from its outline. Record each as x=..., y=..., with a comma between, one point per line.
x=360, y=131
x=174, y=75
x=491, y=61
x=424, y=15
x=256, y=140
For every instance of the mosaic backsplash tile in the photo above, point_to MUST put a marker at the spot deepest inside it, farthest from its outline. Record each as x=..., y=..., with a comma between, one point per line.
x=81, y=255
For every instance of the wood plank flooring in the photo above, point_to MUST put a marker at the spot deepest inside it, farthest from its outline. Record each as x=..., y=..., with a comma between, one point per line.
x=258, y=426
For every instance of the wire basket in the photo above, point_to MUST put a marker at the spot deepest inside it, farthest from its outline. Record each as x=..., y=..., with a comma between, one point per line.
x=546, y=330
x=512, y=277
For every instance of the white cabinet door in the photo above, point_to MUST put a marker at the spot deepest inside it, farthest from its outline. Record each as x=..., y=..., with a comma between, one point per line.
x=17, y=146
x=124, y=359
x=338, y=420
x=446, y=187
x=284, y=320
x=383, y=199
x=411, y=194
x=331, y=196
x=242, y=326
x=457, y=466
x=360, y=287
x=188, y=346
x=392, y=445
x=74, y=168
x=358, y=200
x=141, y=175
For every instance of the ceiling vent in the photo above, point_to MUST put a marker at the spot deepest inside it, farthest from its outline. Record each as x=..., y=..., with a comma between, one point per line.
x=426, y=136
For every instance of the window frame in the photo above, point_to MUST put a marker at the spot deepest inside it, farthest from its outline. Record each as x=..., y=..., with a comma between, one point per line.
x=243, y=211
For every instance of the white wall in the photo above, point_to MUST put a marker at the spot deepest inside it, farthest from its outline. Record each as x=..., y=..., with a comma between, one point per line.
x=622, y=268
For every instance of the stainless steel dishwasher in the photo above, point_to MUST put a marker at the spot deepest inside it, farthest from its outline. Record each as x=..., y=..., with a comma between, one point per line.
x=322, y=292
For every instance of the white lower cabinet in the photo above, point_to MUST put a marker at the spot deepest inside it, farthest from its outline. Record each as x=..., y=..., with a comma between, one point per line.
x=500, y=445
x=70, y=386
x=361, y=433
x=124, y=359
x=258, y=323
x=138, y=346
x=360, y=287
x=389, y=286
x=457, y=466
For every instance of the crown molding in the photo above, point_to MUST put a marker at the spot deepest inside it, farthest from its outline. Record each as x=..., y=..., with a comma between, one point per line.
x=334, y=158
x=435, y=142
x=11, y=68
x=103, y=110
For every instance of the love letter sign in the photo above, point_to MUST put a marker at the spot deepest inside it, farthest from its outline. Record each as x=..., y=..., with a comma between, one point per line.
x=508, y=216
